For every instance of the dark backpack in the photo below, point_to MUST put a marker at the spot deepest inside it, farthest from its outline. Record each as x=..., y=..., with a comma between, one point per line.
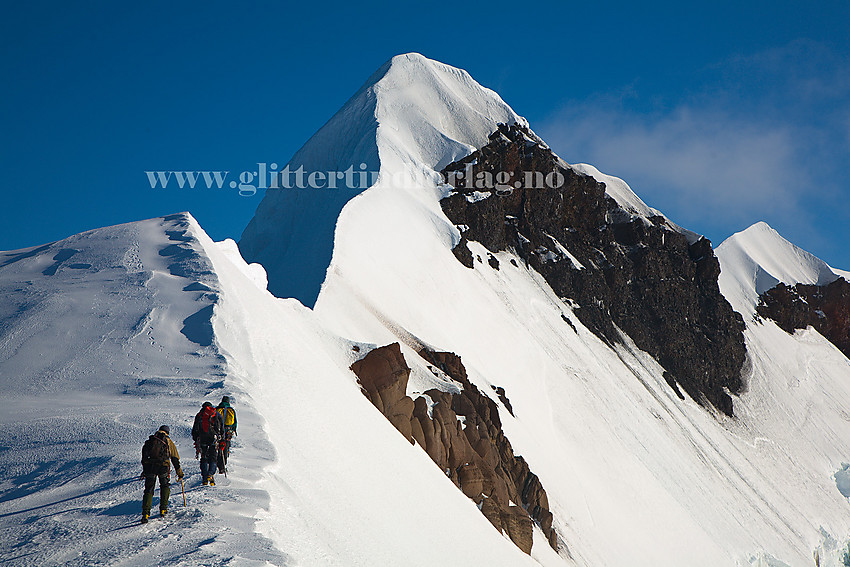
x=155, y=451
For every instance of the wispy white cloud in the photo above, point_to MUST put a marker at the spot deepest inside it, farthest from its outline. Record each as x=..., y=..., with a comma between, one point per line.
x=696, y=161
x=757, y=137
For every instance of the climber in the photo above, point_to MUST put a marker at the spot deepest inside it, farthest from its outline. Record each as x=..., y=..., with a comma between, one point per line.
x=158, y=454
x=228, y=418
x=207, y=431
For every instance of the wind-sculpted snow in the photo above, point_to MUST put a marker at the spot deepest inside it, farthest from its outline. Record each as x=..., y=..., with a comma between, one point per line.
x=133, y=282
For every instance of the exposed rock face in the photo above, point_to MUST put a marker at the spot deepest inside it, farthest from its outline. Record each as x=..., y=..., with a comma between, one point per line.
x=826, y=308
x=383, y=374
x=638, y=274
x=462, y=433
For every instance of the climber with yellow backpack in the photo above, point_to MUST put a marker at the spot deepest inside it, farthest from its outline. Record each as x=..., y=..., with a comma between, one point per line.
x=228, y=418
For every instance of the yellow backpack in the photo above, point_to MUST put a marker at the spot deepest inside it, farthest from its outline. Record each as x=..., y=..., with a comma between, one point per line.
x=228, y=416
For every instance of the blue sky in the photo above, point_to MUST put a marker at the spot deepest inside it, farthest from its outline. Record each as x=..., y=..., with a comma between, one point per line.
x=718, y=115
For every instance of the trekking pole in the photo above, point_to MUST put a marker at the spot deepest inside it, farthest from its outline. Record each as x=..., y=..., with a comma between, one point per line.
x=183, y=490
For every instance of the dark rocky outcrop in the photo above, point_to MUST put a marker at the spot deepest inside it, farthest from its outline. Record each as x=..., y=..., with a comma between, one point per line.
x=826, y=308
x=462, y=433
x=638, y=274
x=504, y=398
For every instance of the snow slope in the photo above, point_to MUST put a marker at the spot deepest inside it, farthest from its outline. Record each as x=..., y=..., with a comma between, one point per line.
x=798, y=394
x=347, y=489
x=136, y=328
x=633, y=475
x=756, y=259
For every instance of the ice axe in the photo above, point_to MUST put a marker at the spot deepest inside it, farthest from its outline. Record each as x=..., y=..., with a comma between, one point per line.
x=183, y=490
x=223, y=460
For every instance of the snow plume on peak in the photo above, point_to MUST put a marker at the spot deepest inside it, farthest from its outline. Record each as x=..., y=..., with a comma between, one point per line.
x=413, y=116
x=758, y=258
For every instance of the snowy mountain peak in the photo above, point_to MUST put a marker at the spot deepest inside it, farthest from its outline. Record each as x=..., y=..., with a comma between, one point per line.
x=413, y=116
x=427, y=111
x=434, y=112
x=756, y=259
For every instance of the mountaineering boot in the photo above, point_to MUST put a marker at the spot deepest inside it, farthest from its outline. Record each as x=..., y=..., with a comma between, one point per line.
x=162, y=512
x=212, y=481
x=206, y=481
x=147, y=501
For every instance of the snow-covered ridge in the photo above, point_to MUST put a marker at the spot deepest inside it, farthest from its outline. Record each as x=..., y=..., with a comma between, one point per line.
x=106, y=335
x=756, y=259
x=843, y=273
x=393, y=278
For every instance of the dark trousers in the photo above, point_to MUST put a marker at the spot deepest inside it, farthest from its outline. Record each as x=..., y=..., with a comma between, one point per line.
x=209, y=456
x=162, y=473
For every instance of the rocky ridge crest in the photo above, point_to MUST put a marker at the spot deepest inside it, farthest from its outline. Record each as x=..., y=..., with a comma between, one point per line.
x=625, y=271
x=825, y=308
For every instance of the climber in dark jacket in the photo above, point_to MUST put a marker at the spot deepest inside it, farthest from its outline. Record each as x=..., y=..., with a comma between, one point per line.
x=207, y=432
x=158, y=454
